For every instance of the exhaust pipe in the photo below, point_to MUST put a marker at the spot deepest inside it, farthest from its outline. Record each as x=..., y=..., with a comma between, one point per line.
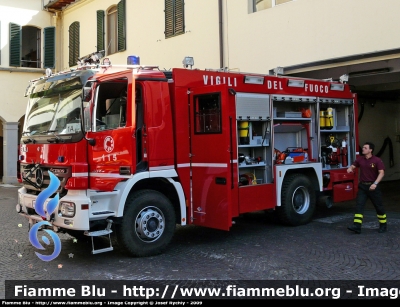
x=325, y=200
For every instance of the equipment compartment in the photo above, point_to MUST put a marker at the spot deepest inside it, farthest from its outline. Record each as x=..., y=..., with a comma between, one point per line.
x=343, y=192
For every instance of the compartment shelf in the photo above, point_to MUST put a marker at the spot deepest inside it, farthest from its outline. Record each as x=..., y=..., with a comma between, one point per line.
x=242, y=165
x=249, y=146
x=292, y=119
x=288, y=128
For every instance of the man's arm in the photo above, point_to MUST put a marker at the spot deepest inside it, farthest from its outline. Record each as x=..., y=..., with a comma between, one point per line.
x=351, y=169
x=380, y=176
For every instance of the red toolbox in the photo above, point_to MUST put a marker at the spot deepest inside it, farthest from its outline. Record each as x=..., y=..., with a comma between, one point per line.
x=296, y=153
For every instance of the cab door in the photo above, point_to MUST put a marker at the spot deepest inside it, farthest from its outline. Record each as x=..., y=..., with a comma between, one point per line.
x=211, y=156
x=112, y=153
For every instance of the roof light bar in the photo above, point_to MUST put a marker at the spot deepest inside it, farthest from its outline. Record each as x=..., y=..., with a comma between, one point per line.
x=106, y=61
x=133, y=60
x=295, y=83
x=254, y=80
x=49, y=72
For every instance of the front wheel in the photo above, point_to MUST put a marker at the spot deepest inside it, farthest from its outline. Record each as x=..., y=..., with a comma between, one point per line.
x=148, y=224
x=298, y=200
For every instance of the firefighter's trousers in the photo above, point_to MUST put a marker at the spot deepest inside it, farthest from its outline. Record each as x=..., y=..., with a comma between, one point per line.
x=363, y=194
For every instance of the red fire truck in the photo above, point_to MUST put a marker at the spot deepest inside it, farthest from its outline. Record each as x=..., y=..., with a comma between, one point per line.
x=138, y=150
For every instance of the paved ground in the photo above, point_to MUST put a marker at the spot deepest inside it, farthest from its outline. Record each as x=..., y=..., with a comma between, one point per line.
x=257, y=247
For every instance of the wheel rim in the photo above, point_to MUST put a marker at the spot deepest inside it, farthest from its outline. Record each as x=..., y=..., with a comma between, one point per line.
x=149, y=224
x=301, y=200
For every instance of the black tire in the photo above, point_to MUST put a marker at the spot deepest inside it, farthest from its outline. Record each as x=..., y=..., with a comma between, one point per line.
x=148, y=224
x=298, y=201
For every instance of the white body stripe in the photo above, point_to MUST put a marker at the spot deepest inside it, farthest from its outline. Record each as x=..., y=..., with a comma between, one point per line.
x=79, y=175
x=109, y=175
x=161, y=168
x=203, y=165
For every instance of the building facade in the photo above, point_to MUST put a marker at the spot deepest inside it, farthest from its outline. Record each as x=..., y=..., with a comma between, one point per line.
x=308, y=38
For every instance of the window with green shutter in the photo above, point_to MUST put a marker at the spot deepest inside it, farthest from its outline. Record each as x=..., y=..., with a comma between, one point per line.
x=174, y=17
x=121, y=26
x=49, y=34
x=15, y=45
x=25, y=46
x=112, y=29
x=73, y=43
x=100, y=30
x=31, y=47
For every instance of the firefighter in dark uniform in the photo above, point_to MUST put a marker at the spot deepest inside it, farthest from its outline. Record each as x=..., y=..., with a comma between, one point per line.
x=372, y=171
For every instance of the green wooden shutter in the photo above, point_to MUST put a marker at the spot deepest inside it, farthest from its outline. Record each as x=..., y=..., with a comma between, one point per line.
x=179, y=17
x=73, y=43
x=174, y=17
x=49, y=34
x=15, y=44
x=100, y=30
x=0, y=42
x=121, y=26
x=169, y=18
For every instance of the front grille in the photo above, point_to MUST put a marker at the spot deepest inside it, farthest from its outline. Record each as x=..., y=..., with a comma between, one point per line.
x=28, y=172
x=31, y=211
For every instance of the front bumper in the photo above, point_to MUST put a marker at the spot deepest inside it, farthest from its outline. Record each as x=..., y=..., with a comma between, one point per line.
x=80, y=221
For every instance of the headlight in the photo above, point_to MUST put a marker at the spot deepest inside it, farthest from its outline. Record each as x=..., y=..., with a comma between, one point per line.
x=66, y=209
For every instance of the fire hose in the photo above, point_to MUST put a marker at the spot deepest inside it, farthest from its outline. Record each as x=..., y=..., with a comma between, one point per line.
x=387, y=141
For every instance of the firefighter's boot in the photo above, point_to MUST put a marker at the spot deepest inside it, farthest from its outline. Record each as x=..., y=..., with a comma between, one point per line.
x=382, y=223
x=356, y=227
x=382, y=228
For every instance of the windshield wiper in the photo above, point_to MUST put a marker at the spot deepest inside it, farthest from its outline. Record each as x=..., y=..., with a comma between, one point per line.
x=28, y=140
x=56, y=138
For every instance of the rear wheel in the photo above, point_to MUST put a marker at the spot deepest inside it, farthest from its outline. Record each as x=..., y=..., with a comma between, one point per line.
x=298, y=201
x=148, y=224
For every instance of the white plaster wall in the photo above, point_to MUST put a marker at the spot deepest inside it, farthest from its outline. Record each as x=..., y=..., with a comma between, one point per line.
x=145, y=33
x=296, y=32
x=12, y=100
x=13, y=84
x=305, y=31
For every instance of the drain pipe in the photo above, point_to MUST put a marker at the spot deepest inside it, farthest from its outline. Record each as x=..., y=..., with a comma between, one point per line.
x=221, y=35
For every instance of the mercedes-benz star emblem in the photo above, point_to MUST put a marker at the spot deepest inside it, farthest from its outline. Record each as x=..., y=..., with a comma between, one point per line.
x=39, y=177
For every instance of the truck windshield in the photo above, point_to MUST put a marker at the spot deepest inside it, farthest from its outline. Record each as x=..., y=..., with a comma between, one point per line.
x=54, y=110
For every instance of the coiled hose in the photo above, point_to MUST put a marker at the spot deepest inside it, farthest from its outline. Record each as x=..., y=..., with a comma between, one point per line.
x=387, y=141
